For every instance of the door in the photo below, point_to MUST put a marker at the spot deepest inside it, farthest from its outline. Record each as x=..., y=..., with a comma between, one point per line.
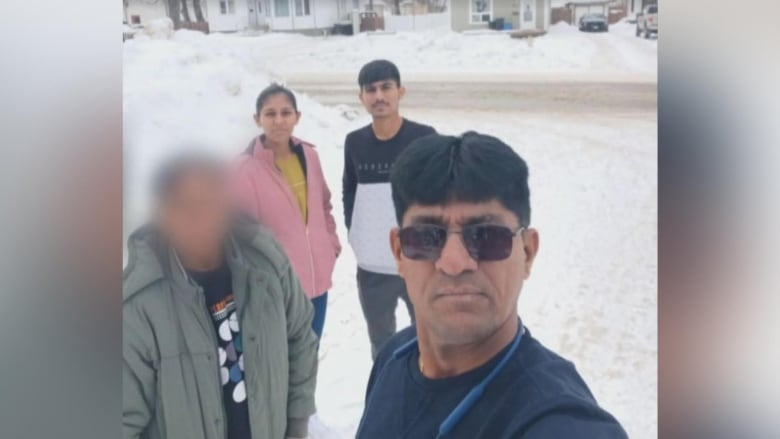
x=528, y=14
x=304, y=16
x=225, y=19
x=256, y=13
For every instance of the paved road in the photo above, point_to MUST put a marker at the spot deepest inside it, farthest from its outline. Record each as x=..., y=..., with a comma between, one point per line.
x=530, y=93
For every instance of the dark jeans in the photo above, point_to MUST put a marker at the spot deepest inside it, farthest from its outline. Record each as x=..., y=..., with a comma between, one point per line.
x=379, y=294
x=320, y=306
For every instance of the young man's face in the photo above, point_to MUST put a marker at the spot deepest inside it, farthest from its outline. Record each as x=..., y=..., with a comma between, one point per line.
x=195, y=217
x=382, y=98
x=456, y=298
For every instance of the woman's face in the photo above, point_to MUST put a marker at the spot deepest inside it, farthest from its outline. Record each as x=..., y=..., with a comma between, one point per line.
x=277, y=118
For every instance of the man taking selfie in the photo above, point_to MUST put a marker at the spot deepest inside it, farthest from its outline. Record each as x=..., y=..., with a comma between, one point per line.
x=469, y=368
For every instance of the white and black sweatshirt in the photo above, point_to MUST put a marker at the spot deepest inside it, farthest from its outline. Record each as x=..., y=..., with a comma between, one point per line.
x=368, y=203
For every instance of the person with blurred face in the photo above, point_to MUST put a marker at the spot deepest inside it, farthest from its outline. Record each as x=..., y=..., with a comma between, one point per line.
x=470, y=368
x=217, y=338
x=279, y=181
x=369, y=154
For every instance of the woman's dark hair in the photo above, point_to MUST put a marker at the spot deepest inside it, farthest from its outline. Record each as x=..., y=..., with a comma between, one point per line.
x=272, y=90
x=378, y=70
x=437, y=169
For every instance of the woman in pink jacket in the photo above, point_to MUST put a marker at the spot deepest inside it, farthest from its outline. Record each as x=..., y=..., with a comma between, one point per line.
x=279, y=181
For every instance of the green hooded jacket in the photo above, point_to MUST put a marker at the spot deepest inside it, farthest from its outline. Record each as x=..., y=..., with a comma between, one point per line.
x=171, y=382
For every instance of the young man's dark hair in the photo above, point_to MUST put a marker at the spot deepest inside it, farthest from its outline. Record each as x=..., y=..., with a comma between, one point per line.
x=472, y=168
x=271, y=90
x=378, y=70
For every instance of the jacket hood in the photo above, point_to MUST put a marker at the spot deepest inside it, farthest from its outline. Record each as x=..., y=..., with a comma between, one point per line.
x=144, y=265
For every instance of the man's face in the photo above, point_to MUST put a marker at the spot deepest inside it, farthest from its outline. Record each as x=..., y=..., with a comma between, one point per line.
x=195, y=217
x=456, y=298
x=381, y=98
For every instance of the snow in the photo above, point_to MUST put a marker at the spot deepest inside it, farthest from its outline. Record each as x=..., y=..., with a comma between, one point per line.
x=592, y=295
x=563, y=50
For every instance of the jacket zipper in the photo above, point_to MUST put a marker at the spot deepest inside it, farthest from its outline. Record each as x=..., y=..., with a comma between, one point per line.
x=311, y=260
x=210, y=333
x=305, y=225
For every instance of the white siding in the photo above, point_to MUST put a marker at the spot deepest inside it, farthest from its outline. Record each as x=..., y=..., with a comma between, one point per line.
x=323, y=14
x=417, y=22
x=228, y=22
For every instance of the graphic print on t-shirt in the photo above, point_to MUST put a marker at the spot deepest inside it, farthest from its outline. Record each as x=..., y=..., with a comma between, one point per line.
x=231, y=358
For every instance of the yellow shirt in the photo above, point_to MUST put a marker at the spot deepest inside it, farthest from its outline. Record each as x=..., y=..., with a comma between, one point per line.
x=292, y=171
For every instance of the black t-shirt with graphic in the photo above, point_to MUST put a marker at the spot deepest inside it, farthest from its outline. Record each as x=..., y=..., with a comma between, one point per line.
x=218, y=289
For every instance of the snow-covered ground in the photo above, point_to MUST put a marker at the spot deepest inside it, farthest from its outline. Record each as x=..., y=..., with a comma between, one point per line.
x=592, y=295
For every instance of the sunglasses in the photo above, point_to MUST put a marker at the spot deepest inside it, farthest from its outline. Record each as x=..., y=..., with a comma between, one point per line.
x=484, y=242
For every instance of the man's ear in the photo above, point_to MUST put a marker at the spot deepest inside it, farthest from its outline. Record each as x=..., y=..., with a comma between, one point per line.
x=401, y=91
x=531, y=248
x=395, y=247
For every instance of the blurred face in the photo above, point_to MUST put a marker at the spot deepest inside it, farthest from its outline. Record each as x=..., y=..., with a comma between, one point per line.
x=456, y=298
x=277, y=118
x=382, y=98
x=195, y=217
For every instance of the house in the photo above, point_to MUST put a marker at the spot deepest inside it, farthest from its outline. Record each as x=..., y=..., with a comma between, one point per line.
x=275, y=15
x=520, y=14
x=316, y=16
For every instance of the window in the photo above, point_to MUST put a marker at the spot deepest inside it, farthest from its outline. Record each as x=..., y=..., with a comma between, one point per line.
x=135, y=19
x=302, y=7
x=227, y=7
x=282, y=8
x=480, y=11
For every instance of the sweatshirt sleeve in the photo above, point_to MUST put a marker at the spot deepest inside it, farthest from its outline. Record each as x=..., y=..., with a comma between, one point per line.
x=139, y=374
x=302, y=349
x=349, y=184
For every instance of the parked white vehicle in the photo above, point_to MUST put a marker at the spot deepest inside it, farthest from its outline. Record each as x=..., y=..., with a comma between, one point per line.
x=647, y=21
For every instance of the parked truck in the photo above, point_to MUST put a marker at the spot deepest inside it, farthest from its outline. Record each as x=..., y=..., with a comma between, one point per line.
x=647, y=21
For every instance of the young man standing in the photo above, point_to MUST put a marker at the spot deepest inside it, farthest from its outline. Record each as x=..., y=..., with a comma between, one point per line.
x=469, y=368
x=369, y=154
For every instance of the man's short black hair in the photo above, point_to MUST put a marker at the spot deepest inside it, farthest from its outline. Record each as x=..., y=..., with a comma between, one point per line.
x=271, y=90
x=378, y=70
x=175, y=169
x=437, y=169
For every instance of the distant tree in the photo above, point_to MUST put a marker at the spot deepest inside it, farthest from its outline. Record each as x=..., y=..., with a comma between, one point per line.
x=185, y=11
x=198, y=11
x=174, y=12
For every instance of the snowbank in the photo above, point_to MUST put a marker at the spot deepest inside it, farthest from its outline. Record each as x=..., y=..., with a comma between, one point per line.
x=159, y=29
x=192, y=91
x=563, y=50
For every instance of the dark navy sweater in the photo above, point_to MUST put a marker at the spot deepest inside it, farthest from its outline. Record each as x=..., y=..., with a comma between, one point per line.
x=538, y=395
